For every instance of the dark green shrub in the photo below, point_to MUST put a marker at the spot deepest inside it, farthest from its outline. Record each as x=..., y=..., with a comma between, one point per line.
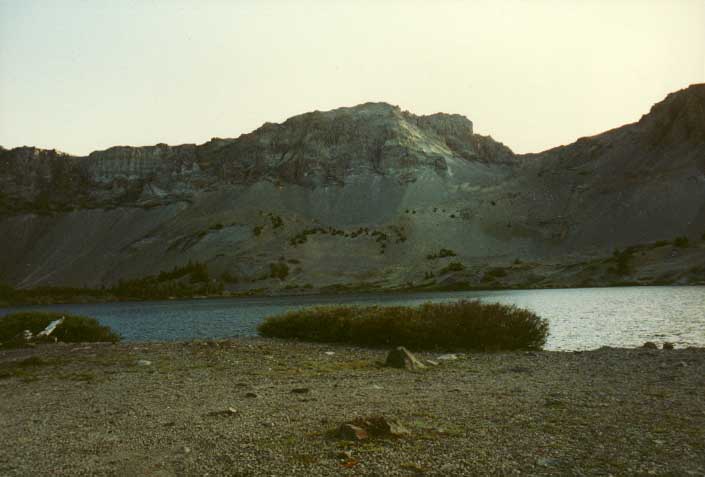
x=623, y=259
x=452, y=267
x=189, y=280
x=74, y=329
x=468, y=325
x=276, y=221
x=493, y=273
x=199, y=273
x=228, y=277
x=7, y=293
x=278, y=270
x=442, y=253
x=681, y=242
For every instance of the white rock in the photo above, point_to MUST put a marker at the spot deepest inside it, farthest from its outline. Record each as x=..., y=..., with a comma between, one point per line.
x=447, y=357
x=144, y=362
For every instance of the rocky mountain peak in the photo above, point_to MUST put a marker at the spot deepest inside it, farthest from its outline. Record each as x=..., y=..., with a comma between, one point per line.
x=679, y=118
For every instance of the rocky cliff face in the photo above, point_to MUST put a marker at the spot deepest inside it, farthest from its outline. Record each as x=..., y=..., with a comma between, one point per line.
x=311, y=150
x=382, y=189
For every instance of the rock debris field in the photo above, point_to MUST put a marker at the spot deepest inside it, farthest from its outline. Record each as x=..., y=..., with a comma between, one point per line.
x=255, y=407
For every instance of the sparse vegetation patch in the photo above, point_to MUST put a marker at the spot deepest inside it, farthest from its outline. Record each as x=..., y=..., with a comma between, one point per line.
x=681, y=242
x=442, y=253
x=452, y=267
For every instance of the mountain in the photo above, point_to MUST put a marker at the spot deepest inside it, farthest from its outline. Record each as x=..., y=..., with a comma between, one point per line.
x=367, y=197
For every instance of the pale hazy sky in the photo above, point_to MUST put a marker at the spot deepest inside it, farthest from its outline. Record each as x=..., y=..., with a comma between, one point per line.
x=84, y=75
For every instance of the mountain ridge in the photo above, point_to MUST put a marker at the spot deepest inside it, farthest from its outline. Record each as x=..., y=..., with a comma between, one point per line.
x=416, y=184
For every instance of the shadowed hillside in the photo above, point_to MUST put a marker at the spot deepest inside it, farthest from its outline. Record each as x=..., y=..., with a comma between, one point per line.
x=365, y=198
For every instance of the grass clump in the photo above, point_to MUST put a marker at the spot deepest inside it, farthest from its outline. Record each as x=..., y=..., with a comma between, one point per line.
x=681, y=242
x=74, y=329
x=463, y=325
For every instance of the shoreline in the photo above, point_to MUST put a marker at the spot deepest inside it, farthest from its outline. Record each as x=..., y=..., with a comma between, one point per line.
x=165, y=408
x=318, y=293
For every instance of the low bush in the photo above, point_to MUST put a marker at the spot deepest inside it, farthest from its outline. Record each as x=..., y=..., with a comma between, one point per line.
x=494, y=273
x=452, y=267
x=278, y=270
x=74, y=329
x=623, y=259
x=442, y=253
x=464, y=325
x=681, y=242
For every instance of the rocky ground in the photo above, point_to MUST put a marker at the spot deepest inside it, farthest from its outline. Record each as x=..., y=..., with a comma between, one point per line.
x=266, y=407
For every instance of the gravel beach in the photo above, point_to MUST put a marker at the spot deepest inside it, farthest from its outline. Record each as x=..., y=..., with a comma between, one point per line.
x=255, y=407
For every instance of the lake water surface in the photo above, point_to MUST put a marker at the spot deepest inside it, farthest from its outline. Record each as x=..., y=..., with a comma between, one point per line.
x=581, y=318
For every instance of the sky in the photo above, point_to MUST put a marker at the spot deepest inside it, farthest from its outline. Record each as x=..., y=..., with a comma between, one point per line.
x=80, y=76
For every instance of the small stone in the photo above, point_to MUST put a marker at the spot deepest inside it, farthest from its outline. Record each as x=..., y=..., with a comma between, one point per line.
x=682, y=364
x=449, y=468
x=380, y=426
x=667, y=346
x=401, y=358
x=329, y=353
x=300, y=390
x=447, y=357
x=396, y=429
x=231, y=411
x=143, y=362
x=251, y=395
x=186, y=450
x=547, y=462
x=416, y=468
x=649, y=345
x=344, y=454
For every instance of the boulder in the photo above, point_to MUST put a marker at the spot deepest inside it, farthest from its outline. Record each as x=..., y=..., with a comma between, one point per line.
x=649, y=345
x=362, y=428
x=351, y=432
x=667, y=345
x=401, y=358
